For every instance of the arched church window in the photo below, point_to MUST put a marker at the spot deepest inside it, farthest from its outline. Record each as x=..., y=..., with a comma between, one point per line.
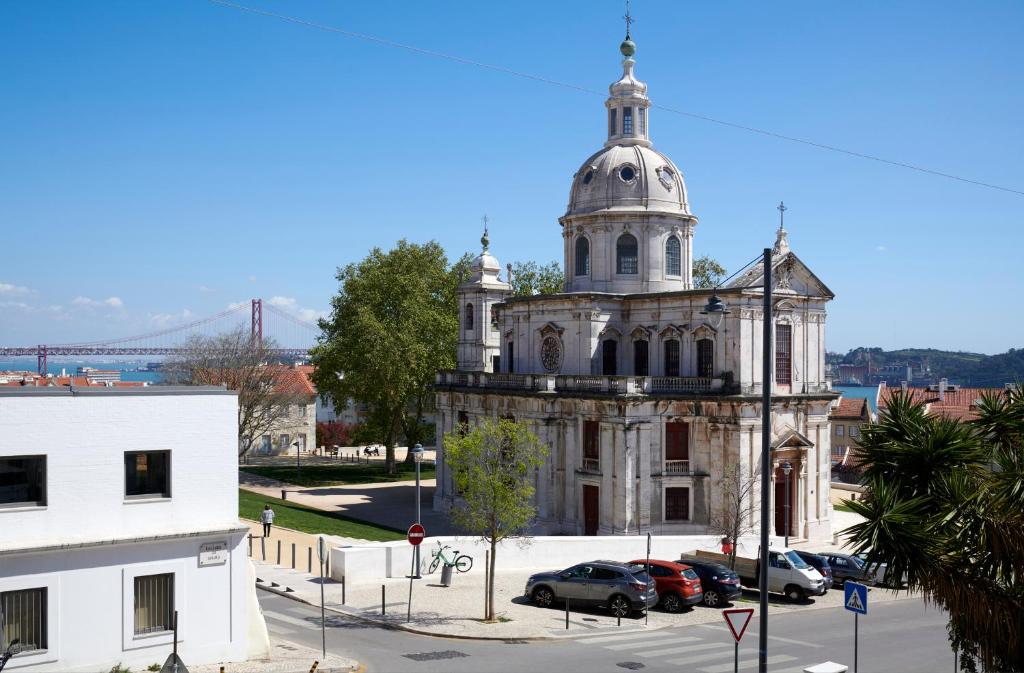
x=626, y=255
x=672, y=357
x=469, y=317
x=609, y=357
x=673, y=257
x=705, y=358
x=582, y=256
x=640, y=359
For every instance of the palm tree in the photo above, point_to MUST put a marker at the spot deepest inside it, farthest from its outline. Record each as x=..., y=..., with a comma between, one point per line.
x=944, y=507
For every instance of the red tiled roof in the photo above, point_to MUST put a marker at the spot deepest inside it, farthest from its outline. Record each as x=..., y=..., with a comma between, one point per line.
x=958, y=404
x=34, y=379
x=851, y=407
x=296, y=379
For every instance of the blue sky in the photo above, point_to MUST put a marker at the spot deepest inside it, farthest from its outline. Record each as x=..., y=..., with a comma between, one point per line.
x=161, y=161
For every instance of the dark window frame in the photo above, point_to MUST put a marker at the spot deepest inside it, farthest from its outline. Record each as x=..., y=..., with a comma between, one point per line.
x=9, y=480
x=677, y=503
x=610, y=357
x=468, y=322
x=627, y=255
x=149, y=492
x=705, y=358
x=627, y=121
x=582, y=253
x=673, y=256
x=613, y=122
x=167, y=608
x=672, y=358
x=677, y=440
x=592, y=440
x=784, y=353
x=32, y=598
x=641, y=357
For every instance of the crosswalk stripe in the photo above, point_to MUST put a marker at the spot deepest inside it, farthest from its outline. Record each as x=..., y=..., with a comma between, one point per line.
x=279, y=630
x=655, y=641
x=681, y=650
x=682, y=661
x=618, y=636
x=288, y=619
x=748, y=663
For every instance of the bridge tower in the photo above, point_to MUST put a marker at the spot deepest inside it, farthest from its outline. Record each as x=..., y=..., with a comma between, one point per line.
x=257, y=321
x=41, y=360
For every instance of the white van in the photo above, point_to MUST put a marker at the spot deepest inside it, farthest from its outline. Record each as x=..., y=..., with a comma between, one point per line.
x=787, y=573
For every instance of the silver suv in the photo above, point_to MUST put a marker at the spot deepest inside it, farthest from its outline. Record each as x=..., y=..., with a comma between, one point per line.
x=620, y=587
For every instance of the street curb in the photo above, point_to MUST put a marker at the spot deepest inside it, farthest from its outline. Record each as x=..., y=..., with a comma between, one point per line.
x=421, y=632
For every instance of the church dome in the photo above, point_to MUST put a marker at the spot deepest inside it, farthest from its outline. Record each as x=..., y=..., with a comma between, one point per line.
x=628, y=178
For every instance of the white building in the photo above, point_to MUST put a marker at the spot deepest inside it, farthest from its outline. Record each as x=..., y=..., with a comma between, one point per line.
x=118, y=508
x=644, y=402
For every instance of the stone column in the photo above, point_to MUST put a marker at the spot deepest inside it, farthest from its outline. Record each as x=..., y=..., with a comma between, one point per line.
x=608, y=500
x=644, y=453
x=572, y=461
x=627, y=479
x=544, y=476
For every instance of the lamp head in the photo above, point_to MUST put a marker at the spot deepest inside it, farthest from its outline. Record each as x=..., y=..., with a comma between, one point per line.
x=417, y=453
x=787, y=467
x=716, y=310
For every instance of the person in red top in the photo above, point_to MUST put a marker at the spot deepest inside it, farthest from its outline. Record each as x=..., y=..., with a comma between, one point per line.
x=727, y=546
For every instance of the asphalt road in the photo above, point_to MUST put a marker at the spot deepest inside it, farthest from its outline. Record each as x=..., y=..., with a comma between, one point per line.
x=897, y=637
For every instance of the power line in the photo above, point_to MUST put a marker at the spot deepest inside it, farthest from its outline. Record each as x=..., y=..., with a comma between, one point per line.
x=566, y=85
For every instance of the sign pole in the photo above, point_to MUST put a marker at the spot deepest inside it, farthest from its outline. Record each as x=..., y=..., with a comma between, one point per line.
x=856, y=620
x=321, y=552
x=647, y=608
x=736, y=657
x=856, y=601
x=737, y=620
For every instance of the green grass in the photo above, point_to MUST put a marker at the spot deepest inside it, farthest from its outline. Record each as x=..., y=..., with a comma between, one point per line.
x=338, y=475
x=309, y=520
x=842, y=508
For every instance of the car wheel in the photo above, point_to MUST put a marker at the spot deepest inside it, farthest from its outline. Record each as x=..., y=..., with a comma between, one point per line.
x=712, y=599
x=794, y=593
x=672, y=603
x=620, y=606
x=543, y=597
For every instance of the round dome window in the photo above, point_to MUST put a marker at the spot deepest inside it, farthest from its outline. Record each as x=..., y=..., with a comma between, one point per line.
x=666, y=175
x=627, y=173
x=588, y=176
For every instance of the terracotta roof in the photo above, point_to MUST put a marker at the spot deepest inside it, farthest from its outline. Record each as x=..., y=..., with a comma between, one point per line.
x=34, y=379
x=851, y=407
x=958, y=404
x=296, y=379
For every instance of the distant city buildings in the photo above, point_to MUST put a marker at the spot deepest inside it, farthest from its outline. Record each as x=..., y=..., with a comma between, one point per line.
x=848, y=416
x=85, y=379
x=942, y=399
x=118, y=511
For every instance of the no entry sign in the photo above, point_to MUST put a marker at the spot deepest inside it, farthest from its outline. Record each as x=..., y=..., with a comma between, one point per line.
x=416, y=534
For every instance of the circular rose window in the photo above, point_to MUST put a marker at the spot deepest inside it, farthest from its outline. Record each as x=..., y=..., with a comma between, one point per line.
x=551, y=354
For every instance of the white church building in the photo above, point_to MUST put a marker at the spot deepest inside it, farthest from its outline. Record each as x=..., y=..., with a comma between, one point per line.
x=644, y=402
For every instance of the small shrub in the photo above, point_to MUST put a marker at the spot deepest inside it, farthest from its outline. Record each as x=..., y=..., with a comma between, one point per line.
x=154, y=667
x=118, y=668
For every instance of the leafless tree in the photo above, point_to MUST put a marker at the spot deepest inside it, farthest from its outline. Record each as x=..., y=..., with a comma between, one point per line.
x=735, y=517
x=266, y=390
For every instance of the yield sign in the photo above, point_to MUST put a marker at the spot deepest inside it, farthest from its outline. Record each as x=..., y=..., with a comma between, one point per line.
x=737, y=619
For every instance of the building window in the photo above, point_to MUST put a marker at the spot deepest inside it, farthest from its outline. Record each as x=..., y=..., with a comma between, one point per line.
x=673, y=257
x=839, y=431
x=302, y=410
x=613, y=122
x=496, y=363
x=641, y=118
x=641, y=362
x=609, y=357
x=783, y=354
x=627, y=121
x=853, y=431
x=677, y=504
x=154, y=603
x=511, y=357
x=705, y=358
x=591, y=446
x=302, y=441
x=672, y=357
x=463, y=424
x=265, y=444
x=626, y=261
x=22, y=481
x=23, y=618
x=147, y=474
x=582, y=256
x=677, y=448
x=469, y=317
x=282, y=442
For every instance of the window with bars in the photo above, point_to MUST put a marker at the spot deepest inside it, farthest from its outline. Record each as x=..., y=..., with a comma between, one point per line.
x=627, y=120
x=672, y=357
x=591, y=446
x=148, y=473
x=582, y=256
x=677, y=504
x=22, y=481
x=673, y=257
x=677, y=441
x=626, y=255
x=641, y=366
x=783, y=354
x=705, y=357
x=23, y=618
x=154, y=603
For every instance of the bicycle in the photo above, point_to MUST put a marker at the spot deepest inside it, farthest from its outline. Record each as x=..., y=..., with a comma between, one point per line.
x=461, y=562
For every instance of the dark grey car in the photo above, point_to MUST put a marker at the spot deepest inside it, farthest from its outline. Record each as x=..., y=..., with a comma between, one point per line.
x=847, y=567
x=620, y=587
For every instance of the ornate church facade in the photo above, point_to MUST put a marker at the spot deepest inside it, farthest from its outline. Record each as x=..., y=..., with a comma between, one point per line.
x=644, y=402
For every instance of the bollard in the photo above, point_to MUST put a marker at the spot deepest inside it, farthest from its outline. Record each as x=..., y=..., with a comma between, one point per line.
x=293, y=556
x=382, y=610
x=284, y=494
x=250, y=545
x=278, y=552
x=221, y=669
x=313, y=668
x=263, y=547
x=620, y=620
x=342, y=589
x=309, y=560
x=566, y=614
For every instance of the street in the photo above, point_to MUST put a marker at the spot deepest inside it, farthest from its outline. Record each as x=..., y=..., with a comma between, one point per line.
x=899, y=637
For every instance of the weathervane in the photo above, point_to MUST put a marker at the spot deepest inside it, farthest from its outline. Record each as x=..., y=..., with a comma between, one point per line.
x=485, y=240
x=782, y=213
x=629, y=19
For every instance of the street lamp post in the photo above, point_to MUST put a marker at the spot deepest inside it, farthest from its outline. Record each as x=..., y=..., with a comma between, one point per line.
x=298, y=464
x=786, y=469
x=716, y=307
x=417, y=457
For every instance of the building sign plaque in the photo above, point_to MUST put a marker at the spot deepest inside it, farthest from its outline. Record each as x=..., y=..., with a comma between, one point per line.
x=213, y=554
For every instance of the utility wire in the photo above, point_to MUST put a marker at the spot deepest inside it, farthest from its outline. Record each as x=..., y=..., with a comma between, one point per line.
x=566, y=85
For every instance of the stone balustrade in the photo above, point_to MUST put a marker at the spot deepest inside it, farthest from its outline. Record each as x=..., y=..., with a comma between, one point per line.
x=615, y=385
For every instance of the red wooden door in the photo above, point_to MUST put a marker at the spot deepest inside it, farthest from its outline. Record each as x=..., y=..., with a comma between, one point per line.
x=780, y=501
x=591, y=504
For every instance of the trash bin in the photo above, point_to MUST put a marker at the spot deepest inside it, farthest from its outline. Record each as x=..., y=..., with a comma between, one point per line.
x=446, y=575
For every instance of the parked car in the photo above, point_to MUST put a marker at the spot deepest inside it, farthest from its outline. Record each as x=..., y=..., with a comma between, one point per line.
x=879, y=571
x=848, y=567
x=720, y=584
x=819, y=563
x=678, y=585
x=620, y=587
x=787, y=572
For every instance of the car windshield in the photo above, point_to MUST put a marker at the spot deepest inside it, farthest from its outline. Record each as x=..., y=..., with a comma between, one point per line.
x=690, y=575
x=797, y=562
x=856, y=562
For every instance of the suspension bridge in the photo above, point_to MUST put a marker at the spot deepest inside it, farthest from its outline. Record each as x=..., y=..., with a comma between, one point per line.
x=291, y=335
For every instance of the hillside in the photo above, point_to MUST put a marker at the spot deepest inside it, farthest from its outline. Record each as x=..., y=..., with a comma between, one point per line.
x=965, y=368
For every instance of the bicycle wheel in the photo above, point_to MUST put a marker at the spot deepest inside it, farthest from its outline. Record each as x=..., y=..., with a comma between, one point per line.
x=433, y=565
x=463, y=563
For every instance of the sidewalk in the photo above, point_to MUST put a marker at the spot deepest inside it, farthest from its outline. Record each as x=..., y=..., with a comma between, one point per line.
x=285, y=657
x=458, y=611
x=390, y=504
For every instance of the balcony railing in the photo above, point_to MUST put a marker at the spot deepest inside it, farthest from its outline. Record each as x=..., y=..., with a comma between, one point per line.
x=615, y=385
x=677, y=467
x=591, y=465
x=682, y=384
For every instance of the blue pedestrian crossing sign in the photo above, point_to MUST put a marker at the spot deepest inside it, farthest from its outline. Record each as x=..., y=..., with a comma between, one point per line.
x=856, y=599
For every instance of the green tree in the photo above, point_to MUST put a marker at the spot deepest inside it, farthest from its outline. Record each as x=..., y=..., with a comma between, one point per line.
x=492, y=468
x=529, y=278
x=707, y=273
x=944, y=506
x=393, y=325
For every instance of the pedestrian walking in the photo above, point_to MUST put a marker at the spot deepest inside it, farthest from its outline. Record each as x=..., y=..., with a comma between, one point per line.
x=266, y=518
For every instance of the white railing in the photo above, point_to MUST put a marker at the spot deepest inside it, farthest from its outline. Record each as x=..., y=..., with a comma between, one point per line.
x=591, y=464
x=615, y=385
x=677, y=467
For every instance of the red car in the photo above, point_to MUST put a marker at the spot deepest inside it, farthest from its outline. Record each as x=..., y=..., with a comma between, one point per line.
x=678, y=585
